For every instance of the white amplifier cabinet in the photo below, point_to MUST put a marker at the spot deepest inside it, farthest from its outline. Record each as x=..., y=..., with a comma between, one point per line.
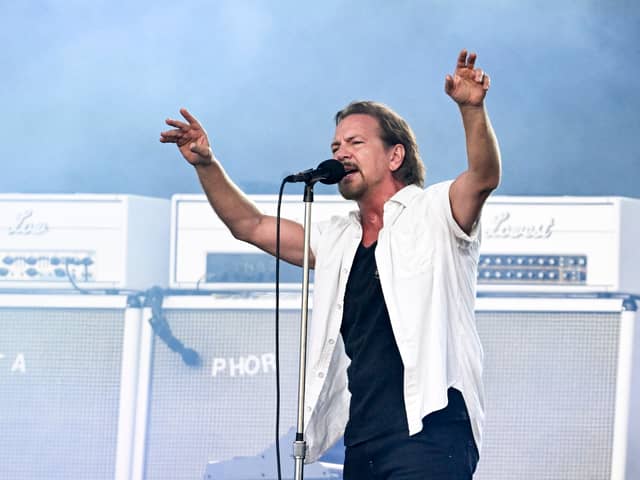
x=530, y=244
x=560, y=244
x=204, y=255
x=190, y=415
x=114, y=242
x=68, y=383
x=561, y=376
x=562, y=388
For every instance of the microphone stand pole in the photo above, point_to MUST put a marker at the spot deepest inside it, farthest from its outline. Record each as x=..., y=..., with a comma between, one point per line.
x=299, y=445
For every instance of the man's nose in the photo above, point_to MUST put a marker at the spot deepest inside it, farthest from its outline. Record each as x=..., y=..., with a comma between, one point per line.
x=341, y=154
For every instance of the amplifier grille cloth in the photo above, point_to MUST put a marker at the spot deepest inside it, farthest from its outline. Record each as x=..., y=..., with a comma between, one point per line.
x=550, y=382
x=550, y=390
x=59, y=417
x=226, y=407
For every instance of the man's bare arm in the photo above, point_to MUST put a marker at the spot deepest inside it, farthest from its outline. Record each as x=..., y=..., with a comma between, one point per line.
x=468, y=88
x=245, y=221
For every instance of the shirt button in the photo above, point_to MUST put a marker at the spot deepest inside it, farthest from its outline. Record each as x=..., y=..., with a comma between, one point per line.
x=339, y=306
x=331, y=341
x=320, y=374
x=345, y=270
x=308, y=409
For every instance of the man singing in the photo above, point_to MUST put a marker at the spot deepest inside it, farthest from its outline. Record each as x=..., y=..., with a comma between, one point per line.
x=394, y=361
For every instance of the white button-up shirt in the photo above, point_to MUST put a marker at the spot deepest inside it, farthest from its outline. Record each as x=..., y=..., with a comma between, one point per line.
x=427, y=266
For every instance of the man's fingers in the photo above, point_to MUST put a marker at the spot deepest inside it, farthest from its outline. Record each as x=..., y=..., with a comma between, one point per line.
x=448, y=84
x=466, y=60
x=189, y=118
x=471, y=60
x=462, y=58
x=486, y=82
x=177, y=124
x=170, y=136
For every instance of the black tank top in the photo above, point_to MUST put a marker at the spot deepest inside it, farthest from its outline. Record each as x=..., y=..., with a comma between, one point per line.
x=376, y=373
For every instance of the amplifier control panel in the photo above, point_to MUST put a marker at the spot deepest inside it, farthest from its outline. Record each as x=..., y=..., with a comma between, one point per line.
x=560, y=244
x=114, y=242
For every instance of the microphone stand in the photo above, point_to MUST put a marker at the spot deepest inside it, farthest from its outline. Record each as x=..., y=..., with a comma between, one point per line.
x=328, y=172
x=299, y=445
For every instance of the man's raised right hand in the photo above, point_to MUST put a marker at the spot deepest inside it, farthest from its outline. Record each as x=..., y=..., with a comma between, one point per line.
x=191, y=139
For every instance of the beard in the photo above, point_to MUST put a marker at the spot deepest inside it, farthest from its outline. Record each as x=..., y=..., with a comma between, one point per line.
x=351, y=190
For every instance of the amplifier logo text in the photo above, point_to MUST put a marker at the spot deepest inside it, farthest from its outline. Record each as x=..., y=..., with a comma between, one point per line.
x=249, y=365
x=24, y=226
x=15, y=364
x=502, y=226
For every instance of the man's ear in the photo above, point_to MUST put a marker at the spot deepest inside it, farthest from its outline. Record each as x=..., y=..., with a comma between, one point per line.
x=397, y=157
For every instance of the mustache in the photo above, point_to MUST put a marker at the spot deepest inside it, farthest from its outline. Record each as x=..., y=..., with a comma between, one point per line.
x=349, y=167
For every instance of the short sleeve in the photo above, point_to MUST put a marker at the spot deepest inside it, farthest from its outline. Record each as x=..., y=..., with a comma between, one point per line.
x=317, y=229
x=440, y=192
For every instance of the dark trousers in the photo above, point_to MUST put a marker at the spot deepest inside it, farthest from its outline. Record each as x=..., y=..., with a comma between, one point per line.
x=443, y=450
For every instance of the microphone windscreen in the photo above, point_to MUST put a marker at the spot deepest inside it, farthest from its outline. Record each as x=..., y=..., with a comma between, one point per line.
x=334, y=171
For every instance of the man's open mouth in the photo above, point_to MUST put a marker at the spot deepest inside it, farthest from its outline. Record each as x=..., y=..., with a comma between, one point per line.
x=349, y=169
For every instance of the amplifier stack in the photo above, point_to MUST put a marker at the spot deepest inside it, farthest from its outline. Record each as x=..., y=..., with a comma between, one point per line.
x=93, y=385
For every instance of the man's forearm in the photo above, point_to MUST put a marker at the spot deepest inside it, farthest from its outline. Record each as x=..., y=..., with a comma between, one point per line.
x=233, y=207
x=483, y=152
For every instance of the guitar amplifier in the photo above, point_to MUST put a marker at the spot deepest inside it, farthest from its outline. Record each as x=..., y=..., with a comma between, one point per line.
x=64, y=242
x=68, y=377
x=560, y=245
x=205, y=256
x=189, y=415
x=562, y=381
x=529, y=244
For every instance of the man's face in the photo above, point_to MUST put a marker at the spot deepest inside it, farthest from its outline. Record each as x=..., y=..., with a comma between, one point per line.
x=357, y=144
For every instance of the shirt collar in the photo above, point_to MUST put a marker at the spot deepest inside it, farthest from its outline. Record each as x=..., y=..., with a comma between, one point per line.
x=405, y=195
x=401, y=198
x=398, y=202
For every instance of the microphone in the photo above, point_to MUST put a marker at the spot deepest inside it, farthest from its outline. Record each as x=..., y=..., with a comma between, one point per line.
x=328, y=172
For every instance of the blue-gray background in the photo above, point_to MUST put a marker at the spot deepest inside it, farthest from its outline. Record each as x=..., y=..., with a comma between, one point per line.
x=86, y=87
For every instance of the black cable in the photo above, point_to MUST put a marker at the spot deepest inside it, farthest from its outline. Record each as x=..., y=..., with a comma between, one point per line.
x=203, y=277
x=160, y=326
x=97, y=291
x=70, y=278
x=278, y=329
